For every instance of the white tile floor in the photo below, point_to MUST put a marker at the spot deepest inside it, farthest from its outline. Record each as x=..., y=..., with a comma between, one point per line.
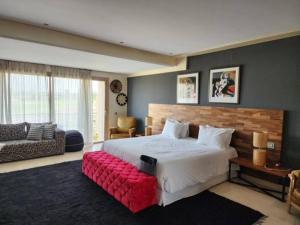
x=274, y=209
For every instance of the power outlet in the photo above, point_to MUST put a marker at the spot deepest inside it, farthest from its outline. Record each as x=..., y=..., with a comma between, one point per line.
x=271, y=145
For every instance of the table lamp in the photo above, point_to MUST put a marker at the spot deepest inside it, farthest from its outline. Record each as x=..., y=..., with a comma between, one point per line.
x=260, y=143
x=148, y=124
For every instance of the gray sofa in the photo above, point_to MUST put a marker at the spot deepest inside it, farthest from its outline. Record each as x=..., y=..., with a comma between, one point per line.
x=14, y=146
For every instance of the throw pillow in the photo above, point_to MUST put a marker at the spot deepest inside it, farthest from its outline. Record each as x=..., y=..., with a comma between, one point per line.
x=35, y=132
x=48, y=132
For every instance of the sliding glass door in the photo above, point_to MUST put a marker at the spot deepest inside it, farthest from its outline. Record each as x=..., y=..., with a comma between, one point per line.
x=70, y=97
x=66, y=99
x=98, y=110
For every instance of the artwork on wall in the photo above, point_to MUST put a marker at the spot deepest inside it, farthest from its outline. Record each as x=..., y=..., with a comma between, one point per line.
x=224, y=85
x=121, y=99
x=116, y=86
x=187, y=88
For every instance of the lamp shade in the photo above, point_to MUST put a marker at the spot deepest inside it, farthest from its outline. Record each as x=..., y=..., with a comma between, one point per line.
x=148, y=121
x=260, y=139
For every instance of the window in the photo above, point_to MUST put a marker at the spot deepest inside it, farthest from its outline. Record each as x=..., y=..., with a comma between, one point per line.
x=71, y=103
x=29, y=98
x=67, y=102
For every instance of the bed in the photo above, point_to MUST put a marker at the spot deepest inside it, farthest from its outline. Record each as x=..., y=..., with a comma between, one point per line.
x=184, y=167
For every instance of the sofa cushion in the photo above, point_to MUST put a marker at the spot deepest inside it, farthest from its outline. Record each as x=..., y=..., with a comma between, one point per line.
x=296, y=196
x=16, y=142
x=27, y=146
x=119, y=135
x=12, y=131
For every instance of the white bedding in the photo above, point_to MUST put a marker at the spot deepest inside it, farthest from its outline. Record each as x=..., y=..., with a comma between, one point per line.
x=180, y=162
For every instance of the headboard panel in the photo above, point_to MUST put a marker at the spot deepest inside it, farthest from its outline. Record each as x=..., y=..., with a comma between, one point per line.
x=244, y=120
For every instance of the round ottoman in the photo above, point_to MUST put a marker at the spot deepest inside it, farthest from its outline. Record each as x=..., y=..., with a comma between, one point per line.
x=74, y=141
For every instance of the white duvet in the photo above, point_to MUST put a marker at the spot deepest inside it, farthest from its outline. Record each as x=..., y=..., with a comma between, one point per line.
x=180, y=162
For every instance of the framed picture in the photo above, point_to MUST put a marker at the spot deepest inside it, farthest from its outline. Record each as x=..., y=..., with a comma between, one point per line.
x=187, y=88
x=224, y=85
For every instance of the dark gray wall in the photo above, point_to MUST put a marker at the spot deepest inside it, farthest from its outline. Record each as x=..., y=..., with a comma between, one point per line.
x=270, y=78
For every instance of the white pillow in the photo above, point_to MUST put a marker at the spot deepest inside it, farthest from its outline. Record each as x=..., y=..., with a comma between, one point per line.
x=184, y=128
x=219, y=138
x=171, y=129
x=204, y=135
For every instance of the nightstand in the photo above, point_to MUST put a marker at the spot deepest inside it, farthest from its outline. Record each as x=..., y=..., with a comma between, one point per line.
x=281, y=174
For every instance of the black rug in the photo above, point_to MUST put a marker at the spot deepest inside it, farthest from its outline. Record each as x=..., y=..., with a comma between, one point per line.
x=61, y=195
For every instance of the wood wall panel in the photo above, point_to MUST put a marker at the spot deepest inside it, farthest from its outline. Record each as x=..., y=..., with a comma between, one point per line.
x=244, y=120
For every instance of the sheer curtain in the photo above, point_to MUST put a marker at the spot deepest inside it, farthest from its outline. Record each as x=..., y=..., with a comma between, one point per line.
x=29, y=98
x=29, y=92
x=4, y=93
x=71, y=94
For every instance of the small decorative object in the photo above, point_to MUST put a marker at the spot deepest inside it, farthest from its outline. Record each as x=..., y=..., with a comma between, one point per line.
x=148, y=124
x=276, y=167
x=224, y=85
x=187, y=88
x=121, y=99
x=116, y=86
x=260, y=141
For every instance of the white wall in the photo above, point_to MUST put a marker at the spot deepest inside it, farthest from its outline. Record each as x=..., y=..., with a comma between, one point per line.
x=114, y=110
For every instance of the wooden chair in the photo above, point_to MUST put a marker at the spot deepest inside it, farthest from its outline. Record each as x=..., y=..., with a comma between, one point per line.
x=294, y=192
x=126, y=127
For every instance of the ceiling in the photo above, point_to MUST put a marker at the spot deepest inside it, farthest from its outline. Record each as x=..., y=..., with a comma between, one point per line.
x=32, y=52
x=170, y=27
x=163, y=26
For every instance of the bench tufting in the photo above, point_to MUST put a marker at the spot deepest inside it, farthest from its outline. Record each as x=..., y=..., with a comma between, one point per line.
x=134, y=189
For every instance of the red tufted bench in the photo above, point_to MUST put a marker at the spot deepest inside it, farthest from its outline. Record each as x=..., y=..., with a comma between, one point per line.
x=134, y=189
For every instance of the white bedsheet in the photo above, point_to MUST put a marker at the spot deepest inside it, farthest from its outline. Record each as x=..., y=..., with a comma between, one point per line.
x=180, y=162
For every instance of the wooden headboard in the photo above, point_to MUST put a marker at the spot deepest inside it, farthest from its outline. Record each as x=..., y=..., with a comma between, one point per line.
x=244, y=120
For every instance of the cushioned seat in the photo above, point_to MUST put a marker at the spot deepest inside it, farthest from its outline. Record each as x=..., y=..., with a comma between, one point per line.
x=26, y=145
x=74, y=141
x=296, y=196
x=13, y=143
x=15, y=146
x=120, y=135
x=294, y=192
x=126, y=127
x=134, y=189
x=32, y=149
